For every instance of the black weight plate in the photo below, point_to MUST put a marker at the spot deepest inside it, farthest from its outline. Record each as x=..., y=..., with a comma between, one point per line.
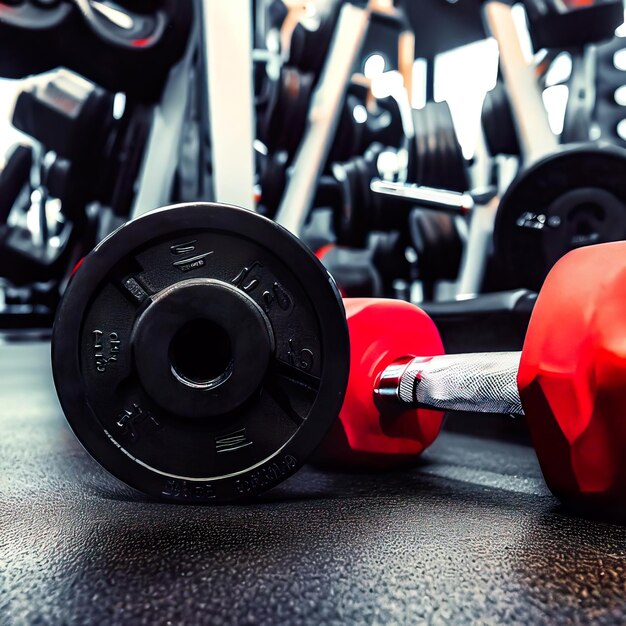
x=439, y=247
x=378, y=218
x=75, y=35
x=367, y=209
x=418, y=159
x=345, y=221
x=437, y=160
x=308, y=48
x=353, y=220
x=273, y=181
x=497, y=122
x=285, y=118
x=454, y=167
x=14, y=177
x=578, y=25
x=349, y=132
x=356, y=229
x=574, y=197
x=118, y=380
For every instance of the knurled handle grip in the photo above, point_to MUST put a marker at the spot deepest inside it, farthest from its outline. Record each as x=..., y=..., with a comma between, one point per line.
x=478, y=383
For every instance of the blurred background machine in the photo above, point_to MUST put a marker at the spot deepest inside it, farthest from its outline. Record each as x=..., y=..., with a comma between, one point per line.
x=442, y=153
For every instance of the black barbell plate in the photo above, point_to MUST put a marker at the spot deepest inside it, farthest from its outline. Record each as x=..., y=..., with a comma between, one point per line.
x=497, y=122
x=531, y=215
x=139, y=434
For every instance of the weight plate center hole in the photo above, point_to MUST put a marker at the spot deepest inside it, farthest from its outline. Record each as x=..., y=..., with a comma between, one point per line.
x=586, y=218
x=201, y=354
x=586, y=212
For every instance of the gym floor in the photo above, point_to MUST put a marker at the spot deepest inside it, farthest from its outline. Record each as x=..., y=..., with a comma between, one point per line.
x=470, y=535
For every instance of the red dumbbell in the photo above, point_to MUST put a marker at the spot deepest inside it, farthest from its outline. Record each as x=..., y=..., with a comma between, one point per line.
x=201, y=354
x=569, y=381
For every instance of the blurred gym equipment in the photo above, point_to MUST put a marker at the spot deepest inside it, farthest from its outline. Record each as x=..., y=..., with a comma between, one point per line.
x=358, y=172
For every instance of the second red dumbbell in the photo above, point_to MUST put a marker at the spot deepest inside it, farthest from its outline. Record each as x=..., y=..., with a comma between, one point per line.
x=568, y=381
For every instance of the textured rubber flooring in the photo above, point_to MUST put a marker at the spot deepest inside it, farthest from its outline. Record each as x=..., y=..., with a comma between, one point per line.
x=470, y=536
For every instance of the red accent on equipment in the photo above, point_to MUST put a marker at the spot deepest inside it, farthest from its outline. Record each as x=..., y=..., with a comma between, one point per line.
x=80, y=262
x=382, y=331
x=572, y=377
x=321, y=253
x=324, y=250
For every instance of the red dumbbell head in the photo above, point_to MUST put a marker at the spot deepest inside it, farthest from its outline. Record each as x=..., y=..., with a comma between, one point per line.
x=572, y=378
x=382, y=331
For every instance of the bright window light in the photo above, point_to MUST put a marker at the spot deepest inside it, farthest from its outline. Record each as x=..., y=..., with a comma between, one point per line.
x=560, y=70
x=359, y=113
x=619, y=59
x=374, y=65
x=621, y=30
x=620, y=95
x=418, y=97
x=555, y=101
x=386, y=84
x=462, y=77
